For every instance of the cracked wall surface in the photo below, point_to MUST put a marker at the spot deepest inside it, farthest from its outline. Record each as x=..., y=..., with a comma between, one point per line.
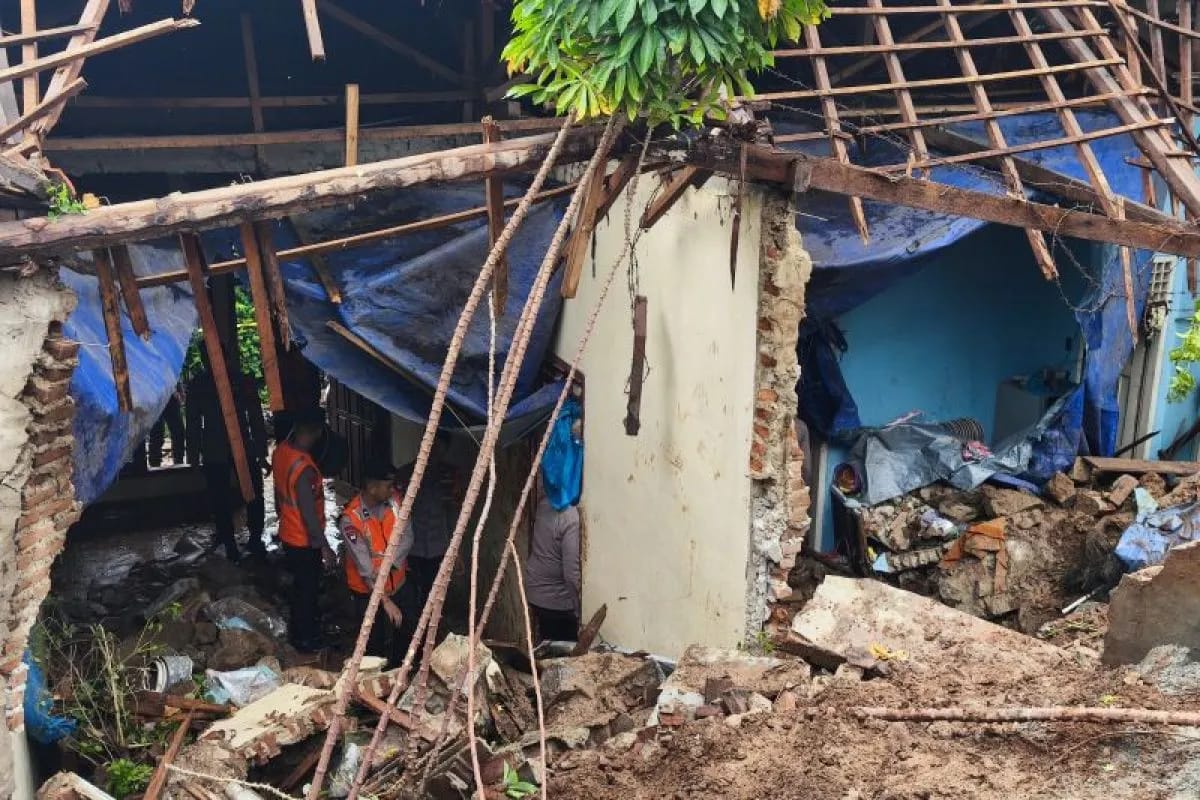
x=779, y=498
x=37, y=497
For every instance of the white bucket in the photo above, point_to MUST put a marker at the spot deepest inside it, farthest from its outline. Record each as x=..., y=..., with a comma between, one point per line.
x=167, y=671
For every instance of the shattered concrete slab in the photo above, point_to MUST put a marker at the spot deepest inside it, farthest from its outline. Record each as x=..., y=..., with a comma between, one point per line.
x=1154, y=606
x=864, y=621
x=286, y=716
x=701, y=668
x=593, y=690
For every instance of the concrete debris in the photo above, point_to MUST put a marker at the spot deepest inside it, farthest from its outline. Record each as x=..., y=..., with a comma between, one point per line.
x=721, y=673
x=1154, y=606
x=286, y=716
x=593, y=690
x=1171, y=669
x=999, y=502
x=850, y=620
x=1060, y=488
x=69, y=786
x=1122, y=489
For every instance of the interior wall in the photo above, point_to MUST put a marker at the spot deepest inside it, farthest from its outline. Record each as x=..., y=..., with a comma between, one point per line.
x=1173, y=419
x=666, y=513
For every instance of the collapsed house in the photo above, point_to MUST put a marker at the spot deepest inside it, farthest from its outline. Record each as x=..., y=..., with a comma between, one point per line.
x=913, y=224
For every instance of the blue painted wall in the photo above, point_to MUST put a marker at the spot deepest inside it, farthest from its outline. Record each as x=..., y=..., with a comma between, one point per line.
x=942, y=341
x=1173, y=419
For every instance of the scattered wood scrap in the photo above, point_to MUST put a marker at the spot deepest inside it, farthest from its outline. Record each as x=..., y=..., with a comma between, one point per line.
x=1087, y=467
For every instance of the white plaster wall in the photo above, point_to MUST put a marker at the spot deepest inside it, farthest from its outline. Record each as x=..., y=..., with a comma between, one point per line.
x=666, y=514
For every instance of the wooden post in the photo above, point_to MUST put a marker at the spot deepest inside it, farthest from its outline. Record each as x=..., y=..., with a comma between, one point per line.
x=193, y=256
x=493, y=190
x=637, y=369
x=251, y=62
x=129, y=291
x=262, y=315
x=274, y=279
x=29, y=86
x=111, y=309
x=351, y=124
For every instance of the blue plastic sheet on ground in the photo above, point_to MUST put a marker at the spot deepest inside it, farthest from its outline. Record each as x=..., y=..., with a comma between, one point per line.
x=562, y=465
x=40, y=722
x=1147, y=541
x=105, y=438
x=403, y=297
x=847, y=272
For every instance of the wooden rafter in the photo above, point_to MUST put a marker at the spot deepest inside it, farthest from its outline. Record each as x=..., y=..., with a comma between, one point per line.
x=907, y=46
x=672, y=189
x=392, y=43
x=129, y=291
x=273, y=101
x=1158, y=52
x=312, y=27
x=111, y=308
x=14, y=39
x=983, y=104
x=904, y=101
x=30, y=89
x=42, y=109
x=833, y=127
x=977, y=8
x=274, y=279
x=250, y=61
x=262, y=315
x=89, y=19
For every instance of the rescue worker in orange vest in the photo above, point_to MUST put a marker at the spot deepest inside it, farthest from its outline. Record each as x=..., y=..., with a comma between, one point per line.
x=367, y=525
x=300, y=503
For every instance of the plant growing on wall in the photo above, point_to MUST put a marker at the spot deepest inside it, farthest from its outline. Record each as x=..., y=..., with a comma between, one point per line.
x=668, y=59
x=1183, y=382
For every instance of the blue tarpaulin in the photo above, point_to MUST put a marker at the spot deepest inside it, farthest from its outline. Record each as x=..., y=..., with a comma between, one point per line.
x=105, y=438
x=402, y=296
x=848, y=272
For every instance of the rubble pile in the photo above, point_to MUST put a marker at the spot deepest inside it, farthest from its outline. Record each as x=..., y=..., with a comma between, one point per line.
x=1006, y=554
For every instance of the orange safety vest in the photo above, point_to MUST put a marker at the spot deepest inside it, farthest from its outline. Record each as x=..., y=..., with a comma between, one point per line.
x=287, y=463
x=375, y=532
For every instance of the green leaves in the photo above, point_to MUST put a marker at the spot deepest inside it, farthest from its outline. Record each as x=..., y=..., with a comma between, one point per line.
x=1183, y=382
x=666, y=59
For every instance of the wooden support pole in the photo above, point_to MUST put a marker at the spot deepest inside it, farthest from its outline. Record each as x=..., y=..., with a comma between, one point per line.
x=250, y=59
x=29, y=86
x=833, y=128
x=89, y=20
x=672, y=189
x=392, y=43
x=493, y=192
x=277, y=197
x=193, y=256
x=274, y=280
x=355, y=240
x=312, y=27
x=351, y=124
x=1037, y=240
x=74, y=57
x=262, y=315
x=111, y=309
x=42, y=109
x=129, y=291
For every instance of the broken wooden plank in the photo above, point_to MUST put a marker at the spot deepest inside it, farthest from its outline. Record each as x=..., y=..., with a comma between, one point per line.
x=277, y=197
x=312, y=27
x=829, y=175
x=90, y=19
x=274, y=279
x=42, y=109
x=351, y=124
x=615, y=183
x=589, y=632
x=104, y=45
x=493, y=193
x=262, y=315
x=356, y=240
x=1137, y=466
x=673, y=189
x=581, y=238
x=193, y=256
x=111, y=309
x=129, y=291
x=158, y=781
x=14, y=39
x=320, y=266
x=392, y=43
x=637, y=368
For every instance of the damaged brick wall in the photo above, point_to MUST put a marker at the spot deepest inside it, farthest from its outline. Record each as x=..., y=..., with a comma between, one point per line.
x=779, y=498
x=37, y=497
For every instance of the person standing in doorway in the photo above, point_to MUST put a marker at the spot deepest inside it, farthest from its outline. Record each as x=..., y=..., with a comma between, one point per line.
x=552, y=571
x=367, y=526
x=171, y=420
x=300, y=503
x=432, y=524
x=208, y=447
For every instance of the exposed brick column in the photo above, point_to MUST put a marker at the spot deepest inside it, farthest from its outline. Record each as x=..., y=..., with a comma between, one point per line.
x=37, y=496
x=779, y=498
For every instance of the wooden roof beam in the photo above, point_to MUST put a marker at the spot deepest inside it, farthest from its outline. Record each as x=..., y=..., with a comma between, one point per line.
x=312, y=27
x=278, y=197
x=826, y=174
